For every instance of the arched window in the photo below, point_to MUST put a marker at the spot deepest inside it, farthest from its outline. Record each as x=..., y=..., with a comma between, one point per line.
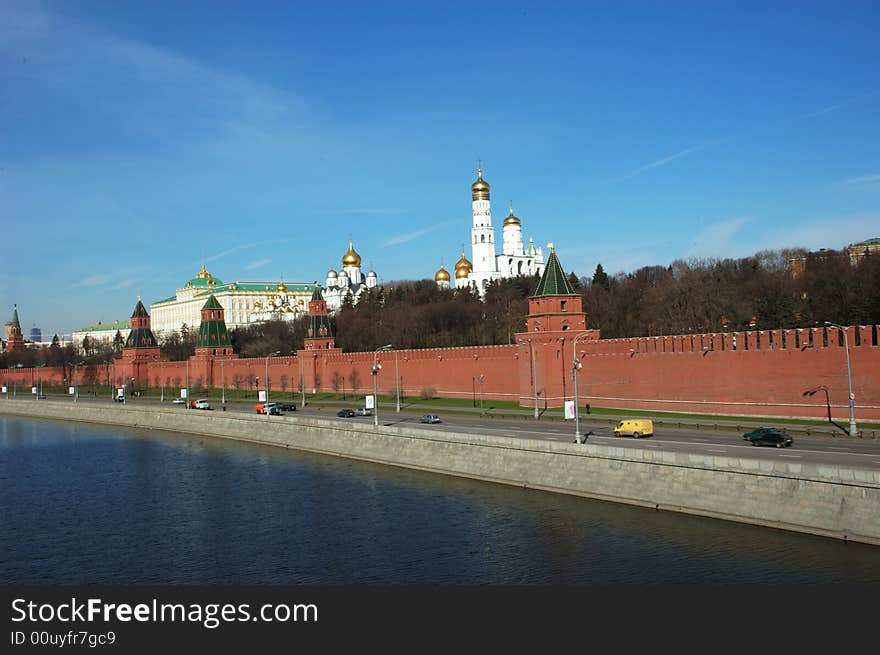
x=482, y=238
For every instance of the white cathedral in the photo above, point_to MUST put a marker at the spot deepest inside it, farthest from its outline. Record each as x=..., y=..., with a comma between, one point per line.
x=349, y=280
x=487, y=266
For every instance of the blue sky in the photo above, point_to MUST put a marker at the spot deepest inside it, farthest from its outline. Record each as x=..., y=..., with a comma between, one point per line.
x=140, y=139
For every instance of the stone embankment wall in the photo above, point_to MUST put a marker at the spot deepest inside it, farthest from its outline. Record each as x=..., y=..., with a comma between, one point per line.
x=833, y=501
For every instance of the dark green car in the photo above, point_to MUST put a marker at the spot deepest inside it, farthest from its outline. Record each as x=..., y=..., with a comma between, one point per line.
x=760, y=433
x=769, y=437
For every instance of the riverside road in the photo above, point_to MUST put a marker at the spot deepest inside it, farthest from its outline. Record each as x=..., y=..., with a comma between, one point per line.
x=839, y=450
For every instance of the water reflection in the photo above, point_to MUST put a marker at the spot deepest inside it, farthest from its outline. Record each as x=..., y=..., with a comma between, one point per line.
x=107, y=505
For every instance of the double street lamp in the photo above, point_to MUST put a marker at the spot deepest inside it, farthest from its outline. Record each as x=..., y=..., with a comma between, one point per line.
x=374, y=369
x=575, y=367
x=266, y=402
x=853, y=431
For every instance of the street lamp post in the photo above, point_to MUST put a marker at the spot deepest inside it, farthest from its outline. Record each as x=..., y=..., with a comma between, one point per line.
x=575, y=367
x=397, y=379
x=187, y=384
x=374, y=369
x=534, y=374
x=481, y=378
x=853, y=431
x=266, y=403
x=302, y=381
x=76, y=382
x=222, y=383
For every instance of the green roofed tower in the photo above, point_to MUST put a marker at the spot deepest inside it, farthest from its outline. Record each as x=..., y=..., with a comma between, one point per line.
x=319, y=335
x=141, y=335
x=553, y=281
x=14, y=337
x=141, y=346
x=555, y=306
x=213, y=337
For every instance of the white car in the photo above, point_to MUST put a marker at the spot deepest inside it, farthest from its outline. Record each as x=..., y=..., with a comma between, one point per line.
x=429, y=418
x=203, y=403
x=179, y=401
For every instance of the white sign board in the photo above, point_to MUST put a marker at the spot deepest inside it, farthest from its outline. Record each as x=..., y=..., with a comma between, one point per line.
x=120, y=392
x=4, y=390
x=569, y=409
x=33, y=390
x=71, y=390
x=263, y=396
x=369, y=402
x=183, y=393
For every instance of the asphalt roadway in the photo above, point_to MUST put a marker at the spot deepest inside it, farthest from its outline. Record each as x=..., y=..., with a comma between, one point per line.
x=839, y=450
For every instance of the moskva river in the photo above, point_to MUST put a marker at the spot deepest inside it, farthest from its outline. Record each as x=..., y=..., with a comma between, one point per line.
x=87, y=504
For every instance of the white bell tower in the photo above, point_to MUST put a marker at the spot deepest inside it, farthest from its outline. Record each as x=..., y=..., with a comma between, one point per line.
x=482, y=236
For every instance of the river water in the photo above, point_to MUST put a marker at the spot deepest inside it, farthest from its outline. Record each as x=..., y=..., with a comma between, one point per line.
x=88, y=504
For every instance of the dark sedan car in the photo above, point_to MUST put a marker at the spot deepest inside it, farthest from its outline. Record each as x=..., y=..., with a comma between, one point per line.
x=345, y=413
x=757, y=433
x=778, y=439
x=286, y=407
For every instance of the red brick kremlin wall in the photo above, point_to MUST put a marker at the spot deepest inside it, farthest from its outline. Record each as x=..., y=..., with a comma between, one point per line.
x=765, y=373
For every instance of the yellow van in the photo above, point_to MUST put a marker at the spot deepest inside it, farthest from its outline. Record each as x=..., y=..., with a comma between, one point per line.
x=634, y=428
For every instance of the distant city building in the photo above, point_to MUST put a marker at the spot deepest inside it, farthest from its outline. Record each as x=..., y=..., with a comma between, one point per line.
x=99, y=333
x=243, y=303
x=36, y=334
x=858, y=251
x=348, y=280
x=486, y=265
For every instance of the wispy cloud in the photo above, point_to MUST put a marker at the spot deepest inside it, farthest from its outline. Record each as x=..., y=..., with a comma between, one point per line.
x=257, y=264
x=372, y=210
x=124, y=284
x=664, y=161
x=93, y=281
x=716, y=239
x=839, y=105
x=403, y=238
x=863, y=181
x=243, y=246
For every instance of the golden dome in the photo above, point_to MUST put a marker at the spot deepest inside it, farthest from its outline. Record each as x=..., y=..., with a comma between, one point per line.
x=203, y=273
x=281, y=288
x=442, y=275
x=351, y=258
x=480, y=188
x=463, y=267
x=511, y=219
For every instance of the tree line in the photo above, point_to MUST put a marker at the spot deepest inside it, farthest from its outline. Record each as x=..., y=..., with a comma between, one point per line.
x=763, y=291
x=686, y=297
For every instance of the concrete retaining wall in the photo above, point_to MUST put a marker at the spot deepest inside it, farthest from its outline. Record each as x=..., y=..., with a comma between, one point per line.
x=825, y=500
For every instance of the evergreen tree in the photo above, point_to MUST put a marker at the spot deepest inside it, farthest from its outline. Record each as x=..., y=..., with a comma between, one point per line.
x=600, y=277
x=118, y=342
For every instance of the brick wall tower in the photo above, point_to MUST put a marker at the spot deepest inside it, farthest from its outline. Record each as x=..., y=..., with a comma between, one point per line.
x=318, y=345
x=319, y=335
x=141, y=343
x=213, y=338
x=556, y=317
x=14, y=337
x=141, y=347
